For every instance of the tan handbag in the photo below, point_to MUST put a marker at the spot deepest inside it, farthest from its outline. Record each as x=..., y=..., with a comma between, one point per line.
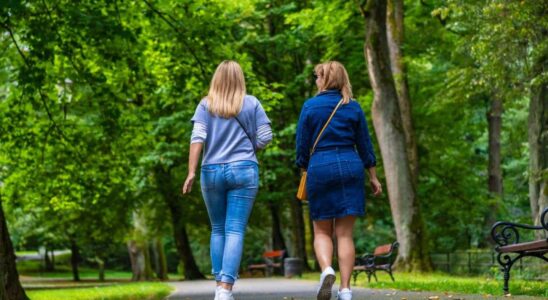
x=301, y=192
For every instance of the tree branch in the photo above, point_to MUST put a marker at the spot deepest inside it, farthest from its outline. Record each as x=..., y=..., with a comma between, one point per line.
x=185, y=43
x=42, y=96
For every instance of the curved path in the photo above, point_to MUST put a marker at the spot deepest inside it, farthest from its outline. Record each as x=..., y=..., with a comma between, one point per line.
x=293, y=289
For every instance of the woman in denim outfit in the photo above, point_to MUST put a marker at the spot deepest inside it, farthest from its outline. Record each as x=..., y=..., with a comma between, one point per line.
x=229, y=126
x=335, y=182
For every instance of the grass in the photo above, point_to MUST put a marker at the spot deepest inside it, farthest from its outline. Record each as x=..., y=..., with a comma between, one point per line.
x=64, y=272
x=129, y=291
x=22, y=253
x=438, y=282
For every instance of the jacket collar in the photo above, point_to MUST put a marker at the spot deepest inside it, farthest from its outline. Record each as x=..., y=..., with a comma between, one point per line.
x=330, y=92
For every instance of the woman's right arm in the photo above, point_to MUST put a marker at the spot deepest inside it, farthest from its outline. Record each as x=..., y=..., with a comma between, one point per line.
x=197, y=140
x=193, y=157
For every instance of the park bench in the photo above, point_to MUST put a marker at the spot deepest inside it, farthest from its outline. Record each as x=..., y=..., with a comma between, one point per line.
x=506, y=235
x=381, y=260
x=273, y=260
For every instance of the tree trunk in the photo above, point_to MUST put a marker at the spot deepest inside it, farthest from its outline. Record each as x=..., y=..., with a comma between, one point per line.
x=47, y=260
x=299, y=232
x=10, y=286
x=191, y=270
x=176, y=208
x=494, y=120
x=134, y=254
x=53, y=259
x=159, y=256
x=140, y=261
x=413, y=254
x=101, y=265
x=538, y=148
x=395, y=37
x=74, y=259
x=3, y=293
x=278, y=242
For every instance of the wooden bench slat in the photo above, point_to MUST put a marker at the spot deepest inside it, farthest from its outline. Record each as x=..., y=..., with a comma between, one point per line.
x=274, y=254
x=381, y=250
x=529, y=246
x=273, y=260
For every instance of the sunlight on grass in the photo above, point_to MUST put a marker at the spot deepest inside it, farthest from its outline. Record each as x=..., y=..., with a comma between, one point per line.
x=130, y=291
x=446, y=283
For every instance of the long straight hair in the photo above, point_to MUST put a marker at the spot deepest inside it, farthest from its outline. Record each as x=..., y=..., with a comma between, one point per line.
x=334, y=76
x=227, y=90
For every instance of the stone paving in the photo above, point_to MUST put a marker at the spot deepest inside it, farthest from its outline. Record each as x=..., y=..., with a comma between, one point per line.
x=293, y=289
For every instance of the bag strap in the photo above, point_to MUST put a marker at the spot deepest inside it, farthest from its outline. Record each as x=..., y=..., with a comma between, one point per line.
x=248, y=136
x=325, y=126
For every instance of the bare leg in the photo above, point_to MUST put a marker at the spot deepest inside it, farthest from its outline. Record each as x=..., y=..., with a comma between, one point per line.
x=345, y=246
x=226, y=286
x=323, y=243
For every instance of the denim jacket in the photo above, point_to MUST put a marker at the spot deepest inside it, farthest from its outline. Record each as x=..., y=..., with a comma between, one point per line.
x=348, y=128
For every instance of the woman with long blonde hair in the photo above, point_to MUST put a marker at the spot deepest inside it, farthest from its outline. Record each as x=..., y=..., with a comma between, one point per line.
x=229, y=126
x=335, y=159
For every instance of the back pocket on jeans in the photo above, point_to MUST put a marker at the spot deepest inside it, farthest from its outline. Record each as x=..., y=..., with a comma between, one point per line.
x=207, y=179
x=245, y=176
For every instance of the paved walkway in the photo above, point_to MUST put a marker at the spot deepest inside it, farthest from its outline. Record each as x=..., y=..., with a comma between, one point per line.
x=292, y=289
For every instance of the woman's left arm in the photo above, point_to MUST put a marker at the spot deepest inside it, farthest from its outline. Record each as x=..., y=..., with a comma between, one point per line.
x=303, y=140
x=374, y=181
x=365, y=150
x=363, y=142
x=264, y=130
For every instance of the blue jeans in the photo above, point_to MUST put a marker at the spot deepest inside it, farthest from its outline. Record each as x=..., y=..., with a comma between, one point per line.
x=229, y=192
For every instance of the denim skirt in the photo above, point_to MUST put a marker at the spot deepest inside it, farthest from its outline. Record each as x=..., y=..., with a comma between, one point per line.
x=335, y=184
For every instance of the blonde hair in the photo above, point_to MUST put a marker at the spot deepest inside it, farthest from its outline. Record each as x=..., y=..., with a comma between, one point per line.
x=334, y=76
x=227, y=90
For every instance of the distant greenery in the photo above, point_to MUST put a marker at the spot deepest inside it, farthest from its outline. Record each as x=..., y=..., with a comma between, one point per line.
x=131, y=291
x=437, y=282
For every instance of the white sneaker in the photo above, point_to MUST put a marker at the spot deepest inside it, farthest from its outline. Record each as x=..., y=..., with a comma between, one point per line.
x=344, y=294
x=225, y=294
x=217, y=288
x=326, y=283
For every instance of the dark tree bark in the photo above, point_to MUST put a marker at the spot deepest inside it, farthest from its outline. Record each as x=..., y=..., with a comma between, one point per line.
x=3, y=293
x=278, y=242
x=494, y=170
x=176, y=208
x=413, y=254
x=48, y=260
x=74, y=260
x=299, y=232
x=10, y=286
x=101, y=265
x=159, y=258
x=538, y=143
x=183, y=248
x=311, y=226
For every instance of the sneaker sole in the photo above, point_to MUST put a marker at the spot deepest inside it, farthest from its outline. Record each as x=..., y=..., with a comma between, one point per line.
x=325, y=290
